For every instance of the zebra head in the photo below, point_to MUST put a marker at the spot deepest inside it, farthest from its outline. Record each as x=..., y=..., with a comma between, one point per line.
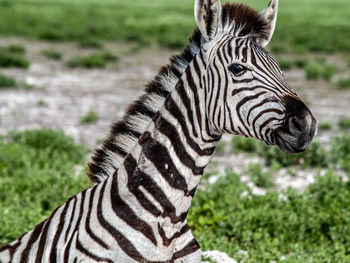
x=245, y=91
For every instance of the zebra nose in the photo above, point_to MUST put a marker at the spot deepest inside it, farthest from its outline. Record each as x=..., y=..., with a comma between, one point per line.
x=299, y=127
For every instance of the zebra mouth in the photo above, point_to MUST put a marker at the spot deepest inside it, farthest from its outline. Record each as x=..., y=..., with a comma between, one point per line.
x=290, y=144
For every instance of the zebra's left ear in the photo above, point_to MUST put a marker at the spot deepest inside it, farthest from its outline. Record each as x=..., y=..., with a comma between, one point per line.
x=208, y=17
x=270, y=14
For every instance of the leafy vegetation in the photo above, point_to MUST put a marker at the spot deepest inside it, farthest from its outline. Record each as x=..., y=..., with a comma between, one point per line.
x=52, y=54
x=13, y=56
x=38, y=172
x=325, y=126
x=90, y=117
x=344, y=83
x=95, y=60
x=315, y=70
x=169, y=23
x=6, y=81
x=307, y=227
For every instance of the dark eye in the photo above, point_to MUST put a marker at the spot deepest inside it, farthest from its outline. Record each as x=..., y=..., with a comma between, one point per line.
x=236, y=69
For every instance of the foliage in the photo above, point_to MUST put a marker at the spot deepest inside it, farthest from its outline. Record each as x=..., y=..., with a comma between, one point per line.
x=325, y=126
x=6, y=81
x=344, y=124
x=95, y=60
x=340, y=151
x=13, y=56
x=315, y=70
x=90, y=43
x=168, y=23
x=259, y=177
x=307, y=227
x=344, y=83
x=38, y=172
x=90, y=117
x=52, y=54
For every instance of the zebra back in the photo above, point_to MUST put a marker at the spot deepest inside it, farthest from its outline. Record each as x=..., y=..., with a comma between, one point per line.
x=124, y=134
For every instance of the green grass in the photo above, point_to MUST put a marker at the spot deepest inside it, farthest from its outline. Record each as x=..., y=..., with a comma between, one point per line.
x=259, y=177
x=308, y=227
x=13, y=56
x=90, y=117
x=95, y=60
x=325, y=126
x=315, y=25
x=37, y=174
x=344, y=83
x=318, y=69
x=7, y=82
x=344, y=124
x=90, y=43
x=52, y=54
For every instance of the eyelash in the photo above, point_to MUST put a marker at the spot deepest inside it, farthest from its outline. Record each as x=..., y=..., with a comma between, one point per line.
x=237, y=69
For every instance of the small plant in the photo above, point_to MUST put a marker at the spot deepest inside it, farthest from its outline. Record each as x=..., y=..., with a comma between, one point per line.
x=328, y=71
x=285, y=64
x=52, y=54
x=96, y=60
x=325, y=126
x=344, y=83
x=242, y=144
x=313, y=70
x=90, y=117
x=14, y=49
x=300, y=63
x=260, y=178
x=42, y=103
x=344, y=124
x=90, y=43
x=7, y=82
x=12, y=56
x=340, y=151
x=317, y=69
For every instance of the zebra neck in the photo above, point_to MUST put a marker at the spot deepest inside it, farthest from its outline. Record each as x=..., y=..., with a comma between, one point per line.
x=165, y=167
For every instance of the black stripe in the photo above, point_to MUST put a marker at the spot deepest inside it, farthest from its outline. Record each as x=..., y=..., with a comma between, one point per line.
x=87, y=221
x=171, y=132
x=159, y=156
x=175, y=111
x=125, y=213
x=33, y=237
x=59, y=232
x=89, y=254
x=147, y=182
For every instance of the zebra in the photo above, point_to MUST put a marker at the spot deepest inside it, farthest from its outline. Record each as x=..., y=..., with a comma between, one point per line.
x=135, y=211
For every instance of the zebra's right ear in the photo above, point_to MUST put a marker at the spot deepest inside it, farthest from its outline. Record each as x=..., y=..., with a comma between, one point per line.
x=208, y=17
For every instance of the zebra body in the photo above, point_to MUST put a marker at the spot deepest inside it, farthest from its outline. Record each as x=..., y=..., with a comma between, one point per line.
x=136, y=211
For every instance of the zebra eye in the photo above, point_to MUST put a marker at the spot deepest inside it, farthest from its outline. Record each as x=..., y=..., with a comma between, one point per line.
x=236, y=69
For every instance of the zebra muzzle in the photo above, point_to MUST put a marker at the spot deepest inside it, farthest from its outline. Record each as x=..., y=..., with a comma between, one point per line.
x=299, y=127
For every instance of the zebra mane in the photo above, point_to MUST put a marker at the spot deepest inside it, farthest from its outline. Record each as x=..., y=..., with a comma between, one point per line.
x=242, y=20
x=125, y=133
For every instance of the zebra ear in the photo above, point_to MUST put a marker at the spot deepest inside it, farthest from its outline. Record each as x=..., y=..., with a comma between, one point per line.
x=208, y=17
x=270, y=14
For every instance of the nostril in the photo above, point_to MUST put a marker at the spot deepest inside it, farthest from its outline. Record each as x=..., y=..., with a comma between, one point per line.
x=297, y=124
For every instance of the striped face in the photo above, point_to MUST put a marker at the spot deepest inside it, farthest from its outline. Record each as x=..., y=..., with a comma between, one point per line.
x=250, y=97
x=245, y=91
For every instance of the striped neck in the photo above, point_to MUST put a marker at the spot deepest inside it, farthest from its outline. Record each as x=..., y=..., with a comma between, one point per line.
x=165, y=167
